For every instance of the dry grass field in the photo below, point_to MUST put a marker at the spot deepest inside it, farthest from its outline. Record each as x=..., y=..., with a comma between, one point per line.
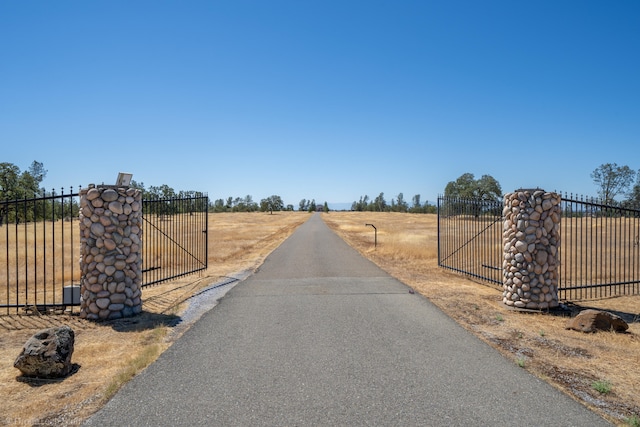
x=41, y=256
x=598, y=370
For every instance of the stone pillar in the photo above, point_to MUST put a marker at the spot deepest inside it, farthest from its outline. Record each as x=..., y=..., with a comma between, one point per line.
x=531, y=237
x=110, y=252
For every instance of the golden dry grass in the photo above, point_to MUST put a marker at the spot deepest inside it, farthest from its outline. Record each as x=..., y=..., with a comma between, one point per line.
x=109, y=354
x=39, y=256
x=569, y=360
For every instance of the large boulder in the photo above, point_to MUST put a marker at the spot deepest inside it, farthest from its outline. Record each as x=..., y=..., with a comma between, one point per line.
x=593, y=320
x=47, y=354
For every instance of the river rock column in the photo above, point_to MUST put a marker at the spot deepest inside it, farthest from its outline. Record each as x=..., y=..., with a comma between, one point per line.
x=110, y=252
x=531, y=237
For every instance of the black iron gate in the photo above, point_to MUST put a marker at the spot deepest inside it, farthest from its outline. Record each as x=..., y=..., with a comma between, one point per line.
x=174, y=238
x=470, y=236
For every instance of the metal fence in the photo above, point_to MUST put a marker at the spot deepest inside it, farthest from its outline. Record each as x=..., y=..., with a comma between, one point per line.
x=39, y=244
x=599, y=245
x=599, y=249
x=40, y=248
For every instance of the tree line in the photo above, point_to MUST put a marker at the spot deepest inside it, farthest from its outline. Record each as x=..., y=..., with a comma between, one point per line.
x=164, y=192
x=611, y=180
x=616, y=186
x=486, y=188
x=397, y=204
x=24, y=186
x=269, y=204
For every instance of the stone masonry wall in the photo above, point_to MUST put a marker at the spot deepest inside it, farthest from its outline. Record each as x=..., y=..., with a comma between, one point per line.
x=110, y=252
x=531, y=237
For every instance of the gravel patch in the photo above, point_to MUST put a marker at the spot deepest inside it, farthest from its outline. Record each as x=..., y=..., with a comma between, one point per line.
x=205, y=300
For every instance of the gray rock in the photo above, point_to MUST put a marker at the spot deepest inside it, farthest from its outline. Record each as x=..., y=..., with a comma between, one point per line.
x=109, y=195
x=595, y=320
x=116, y=207
x=541, y=257
x=47, y=354
x=97, y=229
x=92, y=194
x=521, y=246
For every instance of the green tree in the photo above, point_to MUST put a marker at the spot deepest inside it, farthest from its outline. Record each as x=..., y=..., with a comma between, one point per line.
x=272, y=203
x=401, y=204
x=15, y=184
x=466, y=186
x=379, y=204
x=30, y=180
x=417, y=207
x=238, y=205
x=360, y=205
x=461, y=187
x=9, y=174
x=312, y=206
x=249, y=204
x=9, y=178
x=160, y=192
x=325, y=208
x=416, y=202
x=633, y=198
x=485, y=189
x=612, y=180
x=219, y=206
x=488, y=188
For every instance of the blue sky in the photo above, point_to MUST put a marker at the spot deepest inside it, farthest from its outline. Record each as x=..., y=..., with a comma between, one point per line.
x=325, y=100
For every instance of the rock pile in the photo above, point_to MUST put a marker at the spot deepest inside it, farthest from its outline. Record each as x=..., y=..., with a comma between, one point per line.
x=110, y=249
x=531, y=237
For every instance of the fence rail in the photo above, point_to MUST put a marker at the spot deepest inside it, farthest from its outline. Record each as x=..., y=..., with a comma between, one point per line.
x=599, y=253
x=40, y=248
x=599, y=245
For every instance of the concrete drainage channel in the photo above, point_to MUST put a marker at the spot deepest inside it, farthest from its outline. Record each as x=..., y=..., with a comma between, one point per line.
x=205, y=300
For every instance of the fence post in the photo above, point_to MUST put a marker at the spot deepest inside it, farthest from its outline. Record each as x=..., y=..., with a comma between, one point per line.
x=110, y=252
x=531, y=238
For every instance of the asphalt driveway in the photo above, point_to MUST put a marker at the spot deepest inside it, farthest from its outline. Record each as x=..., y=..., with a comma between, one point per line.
x=320, y=336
